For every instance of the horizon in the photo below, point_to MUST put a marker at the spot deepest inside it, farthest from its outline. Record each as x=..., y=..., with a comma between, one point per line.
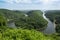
x=29, y=9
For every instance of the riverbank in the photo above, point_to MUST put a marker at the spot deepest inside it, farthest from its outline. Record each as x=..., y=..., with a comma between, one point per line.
x=50, y=26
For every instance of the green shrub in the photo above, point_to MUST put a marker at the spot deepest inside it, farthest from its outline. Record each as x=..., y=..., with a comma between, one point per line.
x=23, y=34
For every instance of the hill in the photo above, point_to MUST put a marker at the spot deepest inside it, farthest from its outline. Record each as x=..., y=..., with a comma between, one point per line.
x=26, y=19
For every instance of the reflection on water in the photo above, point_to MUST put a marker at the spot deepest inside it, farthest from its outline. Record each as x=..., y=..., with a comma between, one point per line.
x=50, y=27
x=11, y=24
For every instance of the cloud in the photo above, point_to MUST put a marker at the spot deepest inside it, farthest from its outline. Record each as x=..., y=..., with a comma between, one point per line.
x=22, y=1
x=9, y=1
x=31, y=4
x=17, y=1
x=31, y=1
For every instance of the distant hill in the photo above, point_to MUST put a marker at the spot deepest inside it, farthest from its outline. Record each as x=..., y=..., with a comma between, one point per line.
x=11, y=14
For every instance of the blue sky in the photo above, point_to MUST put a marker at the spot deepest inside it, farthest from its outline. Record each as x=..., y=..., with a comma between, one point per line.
x=30, y=4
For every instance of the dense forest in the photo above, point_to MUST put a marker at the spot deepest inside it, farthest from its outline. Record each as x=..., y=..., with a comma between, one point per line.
x=34, y=20
x=52, y=14
x=29, y=25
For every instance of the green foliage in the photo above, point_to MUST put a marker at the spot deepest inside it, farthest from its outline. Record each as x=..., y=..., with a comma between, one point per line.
x=51, y=14
x=10, y=14
x=56, y=36
x=22, y=34
x=3, y=21
x=57, y=22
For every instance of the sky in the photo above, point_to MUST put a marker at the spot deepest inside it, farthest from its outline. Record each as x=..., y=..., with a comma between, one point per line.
x=30, y=4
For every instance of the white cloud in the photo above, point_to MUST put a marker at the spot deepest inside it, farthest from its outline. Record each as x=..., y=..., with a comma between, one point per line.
x=35, y=4
x=18, y=1
x=31, y=1
x=9, y=1
x=23, y=1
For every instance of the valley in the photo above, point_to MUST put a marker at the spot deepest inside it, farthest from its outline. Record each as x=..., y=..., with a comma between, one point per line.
x=29, y=25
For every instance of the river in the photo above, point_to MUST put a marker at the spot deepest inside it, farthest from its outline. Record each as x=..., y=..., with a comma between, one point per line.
x=11, y=24
x=50, y=27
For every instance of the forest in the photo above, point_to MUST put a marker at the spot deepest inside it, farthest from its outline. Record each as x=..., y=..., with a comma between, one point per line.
x=29, y=25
